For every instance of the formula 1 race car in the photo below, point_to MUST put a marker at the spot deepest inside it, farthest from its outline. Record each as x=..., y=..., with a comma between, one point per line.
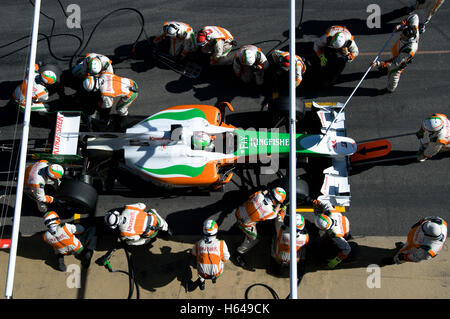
x=161, y=148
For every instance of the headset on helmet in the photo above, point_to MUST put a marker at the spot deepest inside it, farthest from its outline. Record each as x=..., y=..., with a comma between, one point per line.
x=431, y=229
x=279, y=194
x=433, y=123
x=247, y=58
x=48, y=77
x=338, y=40
x=210, y=227
x=51, y=218
x=201, y=140
x=170, y=29
x=90, y=83
x=409, y=32
x=55, y=171
x=285, y=62
x=112, y=219
x=202, y=38
x=323, y=222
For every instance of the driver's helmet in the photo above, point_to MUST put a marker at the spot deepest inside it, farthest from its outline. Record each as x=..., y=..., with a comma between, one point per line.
x=201, y=140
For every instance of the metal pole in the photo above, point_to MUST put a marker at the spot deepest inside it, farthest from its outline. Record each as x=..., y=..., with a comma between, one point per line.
x=292, y=157
x=362, y=79
x=23, y=154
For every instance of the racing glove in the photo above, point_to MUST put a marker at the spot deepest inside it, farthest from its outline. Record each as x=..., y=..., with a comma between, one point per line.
x=323, y=60
x=350, y=57
x=334, y=262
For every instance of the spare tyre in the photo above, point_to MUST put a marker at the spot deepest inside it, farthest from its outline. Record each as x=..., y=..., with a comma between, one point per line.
x=78, y=196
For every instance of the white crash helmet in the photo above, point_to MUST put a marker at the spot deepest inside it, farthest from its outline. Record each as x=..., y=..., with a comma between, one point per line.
x=433, y=123
x=170, y=29
x=338, y=40
x=112, y=219
x=247, y=57
x=299, y=221
x=94, y=66
x=90, y=83
x=323, y=222
x=210, y=227
x=431, y=229
x=55, y=171
x=51, y=218
x=201, y=140
x=48, y=77
x=279, y=194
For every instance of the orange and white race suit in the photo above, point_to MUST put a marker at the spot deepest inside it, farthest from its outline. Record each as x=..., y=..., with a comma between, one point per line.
x=427, y=9
x=258, y=208
x=63, y=239
x=300, y=67
x=220, y=44
x=210, y=254
x=183, y=43
x=349, y=50
x=40, y=94
x=35, y=181
x=338, y=232
x=81, y=69
x=281, y=245
x=437, y=140
x=112, y=87
x=255, y=71
x=140, y=226
x=403, y=52
x=421, y=247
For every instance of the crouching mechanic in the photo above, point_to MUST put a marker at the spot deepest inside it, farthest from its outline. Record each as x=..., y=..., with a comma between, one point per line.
x=281, y=64
x=438, y=128
x=336, y=226
x=281, y=244
x=261, y=206
x=41, y=82
x=425, y=240
x=403, y=52
x=217, y=42
x=335, y=49
x=249, y=64
x=182, y=39
x=93, y=65
x=63, y=239
x=136, y=226
x=37, y=176
x=113, y=89
x=210, y=254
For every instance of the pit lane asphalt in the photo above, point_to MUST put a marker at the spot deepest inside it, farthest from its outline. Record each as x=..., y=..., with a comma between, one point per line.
x=386, y=199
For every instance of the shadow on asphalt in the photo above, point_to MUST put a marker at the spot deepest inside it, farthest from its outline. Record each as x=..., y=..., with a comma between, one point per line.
x=155, y=268
x=394, y=158
x=356, y=26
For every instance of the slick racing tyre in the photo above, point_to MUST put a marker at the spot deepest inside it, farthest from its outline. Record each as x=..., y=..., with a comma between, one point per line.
x=281, y=106
x=79, y=197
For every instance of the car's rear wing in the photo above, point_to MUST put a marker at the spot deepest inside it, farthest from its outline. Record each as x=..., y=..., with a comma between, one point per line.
x=65, y=140
x=336, y=186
